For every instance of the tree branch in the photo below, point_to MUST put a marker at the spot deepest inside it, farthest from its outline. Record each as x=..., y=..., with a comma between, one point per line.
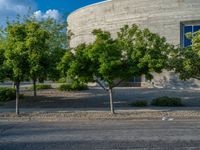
x=101, y=85
x=118, y=83
x=198, y=78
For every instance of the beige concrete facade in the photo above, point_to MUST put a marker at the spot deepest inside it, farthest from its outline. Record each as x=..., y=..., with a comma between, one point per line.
x=160, y=16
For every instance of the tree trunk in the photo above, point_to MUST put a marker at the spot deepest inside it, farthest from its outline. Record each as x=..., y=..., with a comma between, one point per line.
x=111, y=101
x=13, y=85
x=17, y=98
x=34, y=88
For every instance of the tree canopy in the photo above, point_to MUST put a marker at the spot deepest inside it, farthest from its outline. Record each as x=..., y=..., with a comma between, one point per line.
x=16, y=54
x=109, y=61
x=186, y=61
x=38, y=51
x=31, y=49
x=57, y=44
x=2, y=59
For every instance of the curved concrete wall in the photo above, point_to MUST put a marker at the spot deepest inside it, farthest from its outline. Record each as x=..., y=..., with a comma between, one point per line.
x=160, y=16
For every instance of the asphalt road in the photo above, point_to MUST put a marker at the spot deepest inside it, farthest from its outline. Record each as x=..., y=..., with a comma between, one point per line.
x=101, y=135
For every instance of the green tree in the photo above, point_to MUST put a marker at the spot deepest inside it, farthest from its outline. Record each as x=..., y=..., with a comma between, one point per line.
x=16, y=55
x=65, y=63
x=110, y=61
x=144, y=51
x=2, y=59
x=57, y=43
x=38, y=51
x=47, y=43
x=186, y=61
x=2, y=56
x=32, y=49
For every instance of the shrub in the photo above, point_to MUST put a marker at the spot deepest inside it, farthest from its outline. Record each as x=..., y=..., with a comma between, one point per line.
x=7, y=94
x=141, y=103
x=73, y=87
x=61, y=80
x=42, y=86
x=64, y=87
x=167, y=101
x=21, y=96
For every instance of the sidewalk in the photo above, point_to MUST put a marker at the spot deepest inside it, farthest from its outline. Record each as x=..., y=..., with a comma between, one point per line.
x=118, y=109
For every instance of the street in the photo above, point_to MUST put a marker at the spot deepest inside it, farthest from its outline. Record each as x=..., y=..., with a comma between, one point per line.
x=102, y=134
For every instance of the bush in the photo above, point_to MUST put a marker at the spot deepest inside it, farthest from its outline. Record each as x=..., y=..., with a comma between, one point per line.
x=167, y=101
x=73, y=87
x=41, y=86
x=64, y=87
x=139, y=104
x=61, y=80
x=21, y=96
x=7, y=94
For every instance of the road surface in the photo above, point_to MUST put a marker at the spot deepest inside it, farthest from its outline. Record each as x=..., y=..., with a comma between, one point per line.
x=100, y=135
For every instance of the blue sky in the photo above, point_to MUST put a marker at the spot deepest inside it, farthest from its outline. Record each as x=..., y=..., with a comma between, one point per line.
x=63, y=5
x=40, y=8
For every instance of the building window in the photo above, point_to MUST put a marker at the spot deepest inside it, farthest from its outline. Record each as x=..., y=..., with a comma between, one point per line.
x=136, y=80
x=188, y=28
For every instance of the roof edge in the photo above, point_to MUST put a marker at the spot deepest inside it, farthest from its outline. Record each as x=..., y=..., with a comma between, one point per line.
x=105, y=1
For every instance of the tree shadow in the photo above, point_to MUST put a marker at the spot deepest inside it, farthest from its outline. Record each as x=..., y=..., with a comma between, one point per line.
x=98, y=98
x=171, y=80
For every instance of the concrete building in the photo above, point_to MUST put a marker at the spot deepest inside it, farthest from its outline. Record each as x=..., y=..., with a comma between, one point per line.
x=169, y=18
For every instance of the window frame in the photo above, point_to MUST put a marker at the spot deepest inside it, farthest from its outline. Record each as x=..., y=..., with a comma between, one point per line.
x=136, y=79
x=193, y=24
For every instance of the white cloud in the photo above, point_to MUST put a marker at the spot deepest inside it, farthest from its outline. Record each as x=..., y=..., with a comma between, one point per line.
x=10, y=8
x=38, y=15
x=51, y=13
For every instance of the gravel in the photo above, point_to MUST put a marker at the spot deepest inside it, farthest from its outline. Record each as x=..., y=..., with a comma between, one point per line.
x=134, y=115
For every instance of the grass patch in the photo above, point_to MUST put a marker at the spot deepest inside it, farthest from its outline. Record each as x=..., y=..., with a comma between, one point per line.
x=167, y=101
x=141, y=103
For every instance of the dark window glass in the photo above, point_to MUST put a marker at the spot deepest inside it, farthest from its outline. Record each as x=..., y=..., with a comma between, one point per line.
x=136, y=79
x=196, y=28
x=187, y=42
x=187, y=29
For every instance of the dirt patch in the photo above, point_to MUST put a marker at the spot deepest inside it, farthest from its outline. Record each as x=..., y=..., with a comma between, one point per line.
x=98, y=98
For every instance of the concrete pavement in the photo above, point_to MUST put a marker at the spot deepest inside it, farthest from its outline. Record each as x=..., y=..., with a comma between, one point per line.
x=118, y=109
x=101, y=135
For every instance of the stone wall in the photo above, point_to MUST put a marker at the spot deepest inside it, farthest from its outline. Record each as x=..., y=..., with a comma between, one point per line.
x=160, y=16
